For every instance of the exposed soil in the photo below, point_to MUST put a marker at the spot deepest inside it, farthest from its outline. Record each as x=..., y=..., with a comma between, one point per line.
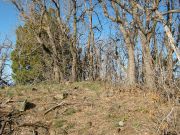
x=88, y=109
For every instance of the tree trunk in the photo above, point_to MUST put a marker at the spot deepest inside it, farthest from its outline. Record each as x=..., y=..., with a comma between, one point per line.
x=90, y=46
x=170, y=51
x=97, y=65
x=131, y=61
x=147, y=59
x=55, y=61
x=131, y=66
x=169, y=35
x=73, y=45
x=90, y=57
x=170, y=65
x=56, y=72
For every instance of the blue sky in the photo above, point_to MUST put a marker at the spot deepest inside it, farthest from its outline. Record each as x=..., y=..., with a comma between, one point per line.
x=9, y=21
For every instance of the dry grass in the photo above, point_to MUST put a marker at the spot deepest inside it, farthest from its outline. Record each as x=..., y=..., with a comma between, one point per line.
x=91, y=108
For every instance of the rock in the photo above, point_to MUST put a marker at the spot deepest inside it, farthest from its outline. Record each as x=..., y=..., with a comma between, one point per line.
x=121, y=123
x=41, y=109
x=68, y=82
x=59, y=96
x=22, y=105
x=74, y=97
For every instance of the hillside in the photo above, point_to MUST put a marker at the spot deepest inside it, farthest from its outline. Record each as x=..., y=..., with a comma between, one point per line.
x=86, y=108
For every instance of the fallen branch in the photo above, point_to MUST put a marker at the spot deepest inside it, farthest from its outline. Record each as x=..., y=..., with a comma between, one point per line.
x=2, y=128
x=165, y=118
x=54, y=107
x=7, y=101
x=37, y=124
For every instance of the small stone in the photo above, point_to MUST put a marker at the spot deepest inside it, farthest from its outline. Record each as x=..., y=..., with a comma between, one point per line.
x=59, y=96
x=121, y=123
x=41, y=109
x=74, y=97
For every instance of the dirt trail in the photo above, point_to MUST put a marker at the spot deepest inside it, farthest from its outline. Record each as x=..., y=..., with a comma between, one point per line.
x=81, y=110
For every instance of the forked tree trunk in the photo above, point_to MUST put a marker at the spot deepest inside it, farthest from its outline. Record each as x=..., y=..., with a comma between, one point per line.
x=147, y=59
x=131, y=61
x=123, y=23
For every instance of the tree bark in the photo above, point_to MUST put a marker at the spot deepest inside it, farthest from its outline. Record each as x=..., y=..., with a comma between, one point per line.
x=55, y=60
x=170, y=51
x=122, y=24
x=131, y=61
x=147, y=59
x=131, y=66
x=73, y=45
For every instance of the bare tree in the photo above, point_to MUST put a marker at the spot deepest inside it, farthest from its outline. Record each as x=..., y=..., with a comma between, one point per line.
x=5, y=51
x=125, y=28
x=60, y=24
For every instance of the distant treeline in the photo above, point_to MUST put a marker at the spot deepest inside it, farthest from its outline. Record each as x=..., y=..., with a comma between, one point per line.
x=124, y=41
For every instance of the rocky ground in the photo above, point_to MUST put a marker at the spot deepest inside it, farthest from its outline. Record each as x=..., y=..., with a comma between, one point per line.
x=86, y=108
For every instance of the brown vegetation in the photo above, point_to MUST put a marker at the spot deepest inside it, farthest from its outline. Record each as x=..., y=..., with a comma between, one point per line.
x=87, y=108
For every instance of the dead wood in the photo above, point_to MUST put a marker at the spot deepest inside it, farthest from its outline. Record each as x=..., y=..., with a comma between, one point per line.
x=3, y=127
x=54, y=107
x=35, y=125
